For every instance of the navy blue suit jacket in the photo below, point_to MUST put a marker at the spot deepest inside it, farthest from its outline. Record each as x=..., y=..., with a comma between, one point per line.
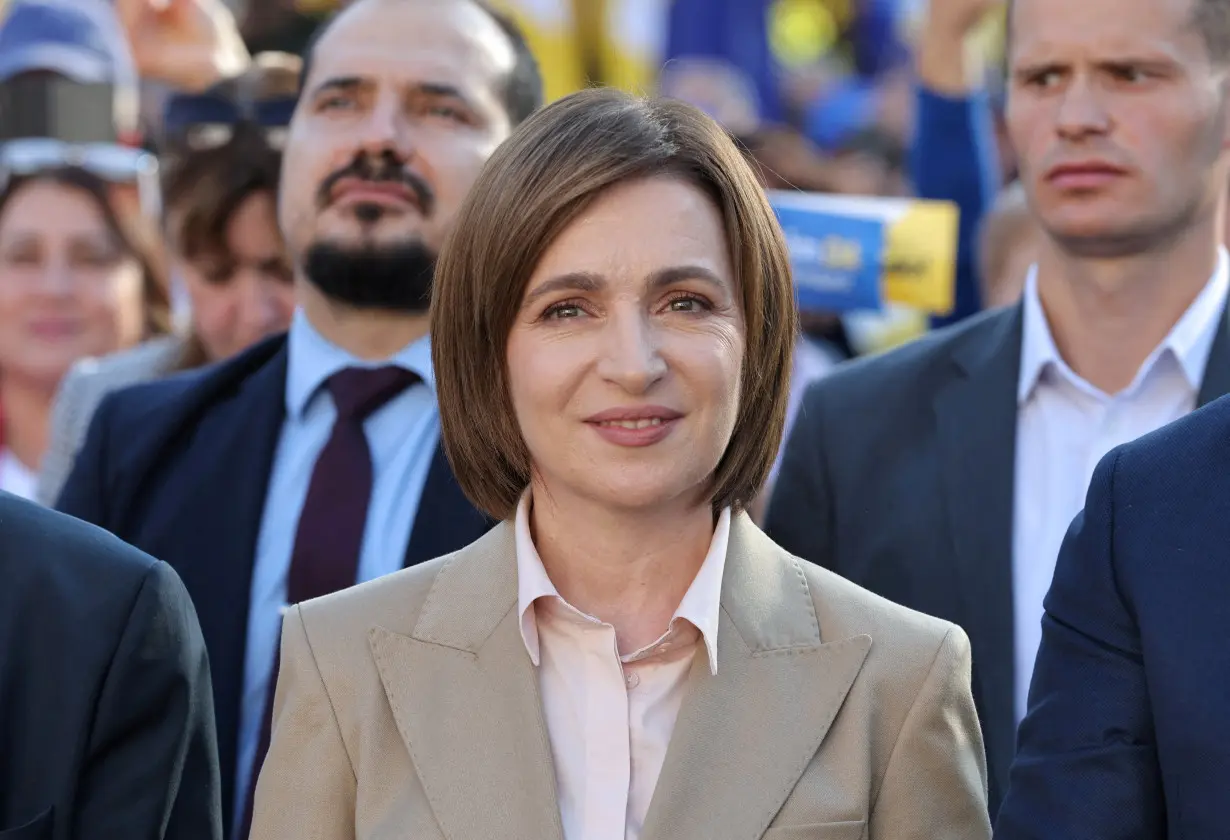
x=180, y=467
x=1128, y=730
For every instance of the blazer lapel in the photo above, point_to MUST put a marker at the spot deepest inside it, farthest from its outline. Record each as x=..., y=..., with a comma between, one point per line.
x=475, y=729
x=976, y=426
x=445, y=521
x=765, y=714
x=1217, y=372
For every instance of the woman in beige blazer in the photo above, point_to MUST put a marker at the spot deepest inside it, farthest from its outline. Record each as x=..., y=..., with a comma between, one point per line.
x=626, y=656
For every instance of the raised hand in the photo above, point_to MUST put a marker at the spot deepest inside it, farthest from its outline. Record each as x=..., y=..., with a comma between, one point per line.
x=188, y=44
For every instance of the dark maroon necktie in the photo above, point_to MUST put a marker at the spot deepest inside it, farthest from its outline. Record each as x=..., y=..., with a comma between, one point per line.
x=330, y=532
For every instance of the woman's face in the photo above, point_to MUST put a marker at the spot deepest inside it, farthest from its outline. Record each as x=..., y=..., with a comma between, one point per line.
x=626, y=356
x=241, y=296
x=68, y=289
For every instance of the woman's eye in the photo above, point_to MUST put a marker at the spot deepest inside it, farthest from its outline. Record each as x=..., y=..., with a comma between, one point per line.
x=687, y=303
x=26, y=258
x=563, y=310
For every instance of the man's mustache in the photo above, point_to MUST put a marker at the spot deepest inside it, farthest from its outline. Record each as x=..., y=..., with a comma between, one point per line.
x=364, y=169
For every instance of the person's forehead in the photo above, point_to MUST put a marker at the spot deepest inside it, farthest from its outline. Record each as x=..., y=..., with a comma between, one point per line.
x=52, y=216
x=1105, y=26
x=412, y=41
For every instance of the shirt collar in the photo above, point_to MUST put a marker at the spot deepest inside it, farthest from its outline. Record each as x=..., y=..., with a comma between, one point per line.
x=313, y=359
x=1190, y=340
x=701, y=604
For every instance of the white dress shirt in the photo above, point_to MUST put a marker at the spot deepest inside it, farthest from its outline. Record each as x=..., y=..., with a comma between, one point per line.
x=1065, y=426
x=16, y=477
x=610, y=717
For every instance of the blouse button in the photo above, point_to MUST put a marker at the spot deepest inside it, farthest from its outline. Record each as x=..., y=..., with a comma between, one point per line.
x=632, y=679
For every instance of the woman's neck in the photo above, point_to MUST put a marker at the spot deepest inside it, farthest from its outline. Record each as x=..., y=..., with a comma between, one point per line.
x=627, y=567
x=26, y=408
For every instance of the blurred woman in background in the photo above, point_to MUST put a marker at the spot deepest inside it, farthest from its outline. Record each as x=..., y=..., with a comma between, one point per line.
x=76, y=280
x=226, y=252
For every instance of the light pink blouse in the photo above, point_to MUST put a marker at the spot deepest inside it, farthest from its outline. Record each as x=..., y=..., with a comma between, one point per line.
x=610, y=717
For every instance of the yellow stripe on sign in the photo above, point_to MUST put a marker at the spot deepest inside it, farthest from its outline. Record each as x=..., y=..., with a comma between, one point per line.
x=920, y=257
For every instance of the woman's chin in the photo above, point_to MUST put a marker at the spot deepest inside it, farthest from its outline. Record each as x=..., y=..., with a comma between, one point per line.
x=646, y=495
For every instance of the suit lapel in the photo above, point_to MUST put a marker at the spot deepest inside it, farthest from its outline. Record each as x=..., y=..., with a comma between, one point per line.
x=976, y=424
x=475, y=729
x=445, y=521
x=765, y=714
x=1217, y=372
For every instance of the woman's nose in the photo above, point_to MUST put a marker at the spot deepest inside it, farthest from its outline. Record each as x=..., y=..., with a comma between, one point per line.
x=57, y=279
x=631, y=356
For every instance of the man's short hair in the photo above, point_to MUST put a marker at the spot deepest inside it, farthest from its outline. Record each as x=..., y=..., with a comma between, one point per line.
x=536, y=183
x=522, y=92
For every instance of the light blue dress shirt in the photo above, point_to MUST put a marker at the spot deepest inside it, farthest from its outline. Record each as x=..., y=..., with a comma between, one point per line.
x=402, y=434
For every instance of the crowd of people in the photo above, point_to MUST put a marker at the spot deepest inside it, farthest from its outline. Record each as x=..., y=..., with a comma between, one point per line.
x=387, y=450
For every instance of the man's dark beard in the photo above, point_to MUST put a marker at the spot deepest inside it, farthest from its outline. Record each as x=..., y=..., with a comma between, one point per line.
x=389, y=277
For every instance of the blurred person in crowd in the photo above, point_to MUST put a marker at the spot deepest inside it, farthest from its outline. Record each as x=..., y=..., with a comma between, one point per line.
x=225, y=246
x=180, y=46
x=870, y=162
x=79, y=41
x=69, y=95
x=187, y=45
x=610, y=661
x=954, y=154
x=1007, y=247
x=1126, y=732
x=944, y=475
x=312, y=460
x=76, y=280
x=784, y=159
x=106, y=713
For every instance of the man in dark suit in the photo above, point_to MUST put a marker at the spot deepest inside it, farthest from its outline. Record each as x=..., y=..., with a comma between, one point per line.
x=1127, y=733
x=106, y=715
x=313, y=461
x=944, y=475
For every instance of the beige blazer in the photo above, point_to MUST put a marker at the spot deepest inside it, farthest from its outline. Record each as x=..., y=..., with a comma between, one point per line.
x=408, y=708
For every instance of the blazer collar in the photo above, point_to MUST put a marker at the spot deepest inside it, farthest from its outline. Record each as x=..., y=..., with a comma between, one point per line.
x=476, y=724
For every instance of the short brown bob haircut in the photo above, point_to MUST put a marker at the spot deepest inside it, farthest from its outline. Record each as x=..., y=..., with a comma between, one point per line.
x=554, y=165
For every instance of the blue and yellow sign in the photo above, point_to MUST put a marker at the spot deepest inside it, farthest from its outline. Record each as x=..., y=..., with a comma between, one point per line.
x=836, y=261
x=856, y=253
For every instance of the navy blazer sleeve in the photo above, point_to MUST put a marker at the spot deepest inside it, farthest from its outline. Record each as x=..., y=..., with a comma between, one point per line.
x=1086, y=763
x=84, y=494
x=151, y=768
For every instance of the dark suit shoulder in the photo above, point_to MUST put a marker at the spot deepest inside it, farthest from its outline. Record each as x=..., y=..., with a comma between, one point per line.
x=179, y=393
x=141, y=402
x=912, y=367
x=50, y=555
x=1175, y=458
